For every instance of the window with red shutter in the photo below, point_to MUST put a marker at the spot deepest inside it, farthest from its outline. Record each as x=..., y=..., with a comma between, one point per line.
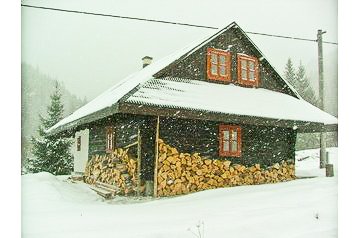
x=230, y=141
x=109, y=139
x=218, y=65
x=247, y=70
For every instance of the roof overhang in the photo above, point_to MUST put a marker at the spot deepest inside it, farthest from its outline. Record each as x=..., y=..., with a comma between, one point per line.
x=67, y=128
x=150, y=110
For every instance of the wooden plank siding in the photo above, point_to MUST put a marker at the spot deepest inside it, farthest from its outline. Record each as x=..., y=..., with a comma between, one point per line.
x=125, y=129
x=126, y=132
x=260, y=144
x=194, y=66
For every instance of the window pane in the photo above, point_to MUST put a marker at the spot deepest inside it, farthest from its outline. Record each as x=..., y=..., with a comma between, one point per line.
x=222, y=59
x=243, y=64
x=234, y=146
x=234, y=135
x=226, y=135
x=226, y=146
x=243, y=74
x=251, y=65
x=214, y=69
x=222, y=70
x=252, y=76
x=214, y=58
x=79, y=143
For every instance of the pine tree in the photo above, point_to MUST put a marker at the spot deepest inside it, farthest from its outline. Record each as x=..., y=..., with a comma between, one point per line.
x=51, y=154
x=304, y=87
x=300, y=82
x=290, y=72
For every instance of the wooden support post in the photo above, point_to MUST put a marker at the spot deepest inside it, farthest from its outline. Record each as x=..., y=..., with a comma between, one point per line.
x=139, y=163
x=322, y=152
x=156, y=159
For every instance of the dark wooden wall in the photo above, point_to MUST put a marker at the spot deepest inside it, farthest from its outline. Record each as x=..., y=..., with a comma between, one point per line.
x=263, y=145
x=148, y=130
x=194, y=66
x=260, y=144
x=126, y=132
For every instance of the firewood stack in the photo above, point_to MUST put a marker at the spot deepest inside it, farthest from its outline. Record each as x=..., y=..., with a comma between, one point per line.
x=181, y=173
x=116, y=168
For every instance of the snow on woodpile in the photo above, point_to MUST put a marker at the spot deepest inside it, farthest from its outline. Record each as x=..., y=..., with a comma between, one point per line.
x=231, y=99
x=303, y=208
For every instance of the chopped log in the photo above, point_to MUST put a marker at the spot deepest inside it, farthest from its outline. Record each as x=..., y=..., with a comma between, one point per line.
x=181, y=173
x=115, y=170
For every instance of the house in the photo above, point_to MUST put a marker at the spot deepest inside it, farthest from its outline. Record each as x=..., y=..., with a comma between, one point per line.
x=219, y=97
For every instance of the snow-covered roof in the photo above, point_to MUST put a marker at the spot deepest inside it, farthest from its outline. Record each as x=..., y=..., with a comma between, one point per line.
x=126, y=86
x=232, y=99
x=123, y=87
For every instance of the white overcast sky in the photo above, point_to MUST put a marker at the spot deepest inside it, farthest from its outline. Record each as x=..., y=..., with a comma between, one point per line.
x=91, y=53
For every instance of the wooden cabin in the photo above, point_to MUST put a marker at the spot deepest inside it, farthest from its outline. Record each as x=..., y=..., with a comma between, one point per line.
x=217, y=104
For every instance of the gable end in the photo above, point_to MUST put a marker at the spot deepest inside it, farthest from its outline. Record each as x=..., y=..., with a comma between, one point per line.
x=194, y=64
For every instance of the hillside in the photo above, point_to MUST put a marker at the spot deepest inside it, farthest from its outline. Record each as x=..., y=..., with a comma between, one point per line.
x=36, y=90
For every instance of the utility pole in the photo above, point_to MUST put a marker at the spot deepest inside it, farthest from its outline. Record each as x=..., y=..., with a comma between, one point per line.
x=321, y=97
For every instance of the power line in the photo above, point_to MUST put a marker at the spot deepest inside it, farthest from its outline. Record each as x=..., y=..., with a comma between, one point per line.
x=166, y=22
x=117, y=16
x=290, y=37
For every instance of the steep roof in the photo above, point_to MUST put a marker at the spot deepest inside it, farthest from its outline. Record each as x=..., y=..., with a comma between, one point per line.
x=124, y=89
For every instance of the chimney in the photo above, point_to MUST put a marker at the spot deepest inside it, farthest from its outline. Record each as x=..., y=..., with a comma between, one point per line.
x=147, y=60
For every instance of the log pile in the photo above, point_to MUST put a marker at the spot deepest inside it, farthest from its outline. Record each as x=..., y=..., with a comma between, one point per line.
x=117, y=169
x=182, y=173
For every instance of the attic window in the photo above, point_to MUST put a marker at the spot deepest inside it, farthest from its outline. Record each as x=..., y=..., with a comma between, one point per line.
x=247, y=70
x=109, y=139
x=230, y=141
x=218, y=65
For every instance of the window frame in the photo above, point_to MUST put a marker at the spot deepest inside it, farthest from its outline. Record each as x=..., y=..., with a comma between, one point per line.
x=230, y=153
x=248, y=59
x=218, y=77
x=110, y=138
x=78, y=143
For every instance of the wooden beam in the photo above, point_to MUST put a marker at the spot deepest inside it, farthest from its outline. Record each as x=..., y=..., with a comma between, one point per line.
x=156, y=159
x=139, y=162
x=130, y=145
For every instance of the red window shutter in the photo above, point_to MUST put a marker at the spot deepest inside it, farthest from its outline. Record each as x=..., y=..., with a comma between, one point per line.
x=110, y=138
x=218, y=64
x=239, y=143
x=240, y=77
x=234, y=143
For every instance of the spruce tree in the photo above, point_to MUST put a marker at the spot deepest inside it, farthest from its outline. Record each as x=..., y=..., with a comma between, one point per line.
x=51, y=154
x=290, y=72
x=300, y=82
x=304, y=87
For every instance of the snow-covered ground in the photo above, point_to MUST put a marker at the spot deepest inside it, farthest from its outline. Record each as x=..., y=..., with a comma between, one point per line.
x=54, y=207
